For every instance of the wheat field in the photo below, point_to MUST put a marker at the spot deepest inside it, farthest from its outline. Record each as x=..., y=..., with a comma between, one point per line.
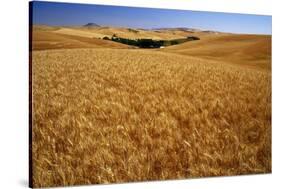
x=105, y=115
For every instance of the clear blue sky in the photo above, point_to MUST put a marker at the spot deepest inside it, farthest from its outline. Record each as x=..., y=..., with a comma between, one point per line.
x=68, y=14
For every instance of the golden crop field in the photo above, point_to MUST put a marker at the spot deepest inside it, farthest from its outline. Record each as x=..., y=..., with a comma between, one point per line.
x=103, y=115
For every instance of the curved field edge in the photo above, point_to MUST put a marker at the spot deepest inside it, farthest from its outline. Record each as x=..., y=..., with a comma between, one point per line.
x=106, y=116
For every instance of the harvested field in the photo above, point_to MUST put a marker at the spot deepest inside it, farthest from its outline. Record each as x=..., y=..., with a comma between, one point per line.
x=246, y=50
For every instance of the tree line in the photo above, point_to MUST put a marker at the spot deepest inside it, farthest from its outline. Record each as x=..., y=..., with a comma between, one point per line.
x=150, y=43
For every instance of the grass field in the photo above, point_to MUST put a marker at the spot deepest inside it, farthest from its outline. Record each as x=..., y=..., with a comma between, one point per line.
x=104, y=112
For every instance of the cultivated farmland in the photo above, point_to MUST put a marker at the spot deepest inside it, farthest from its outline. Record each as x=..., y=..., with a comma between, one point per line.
x=105, y=112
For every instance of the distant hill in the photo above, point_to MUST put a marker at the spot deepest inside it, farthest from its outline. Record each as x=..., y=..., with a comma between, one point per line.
x=91, y=25
x=179, y=29
x=251, y=50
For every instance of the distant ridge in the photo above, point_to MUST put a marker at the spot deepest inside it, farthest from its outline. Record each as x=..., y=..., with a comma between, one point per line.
x=178, y=28
x=91, y=24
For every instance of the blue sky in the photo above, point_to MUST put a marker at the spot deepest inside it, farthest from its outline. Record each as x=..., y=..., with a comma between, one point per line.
x=69, y=14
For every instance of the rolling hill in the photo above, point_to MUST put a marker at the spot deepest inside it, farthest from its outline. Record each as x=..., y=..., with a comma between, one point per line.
x=43, y=40
x=105, y=112
x=250, y=50
x=246, y=50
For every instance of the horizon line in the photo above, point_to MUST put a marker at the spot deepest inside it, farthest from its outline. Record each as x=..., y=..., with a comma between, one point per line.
x=156, y=28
